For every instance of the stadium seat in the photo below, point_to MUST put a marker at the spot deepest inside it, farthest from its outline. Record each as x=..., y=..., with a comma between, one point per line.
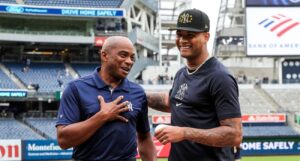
x=44, y=125
x=44, y=75
x=13, y=129
x=287, y=98
x=269, y=131
x=252, y=103
x=6, y=82
x=84, y=69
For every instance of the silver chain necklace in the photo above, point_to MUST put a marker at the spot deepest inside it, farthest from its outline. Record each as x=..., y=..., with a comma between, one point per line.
x=190, y=73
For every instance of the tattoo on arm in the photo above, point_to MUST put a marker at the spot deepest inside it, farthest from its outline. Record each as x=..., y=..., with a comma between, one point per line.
x=158, y=101
x=228, y=134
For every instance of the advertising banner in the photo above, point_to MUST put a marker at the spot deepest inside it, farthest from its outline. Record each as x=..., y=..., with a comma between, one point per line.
x=10, y=150
x=250, y=147
x=266, y=3
x=13, y=93
x=162, y=151
x=273, y=31
x=99, y=40
x=257, y=118
x=271, y=147
x=264, y=118
x=62, y=11
x=44, y=150
x=161, y=119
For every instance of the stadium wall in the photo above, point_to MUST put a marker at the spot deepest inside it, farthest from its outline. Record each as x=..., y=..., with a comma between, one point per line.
x=17, y=150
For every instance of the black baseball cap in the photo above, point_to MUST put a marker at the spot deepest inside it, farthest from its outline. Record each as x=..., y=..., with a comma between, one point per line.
x=192, y=20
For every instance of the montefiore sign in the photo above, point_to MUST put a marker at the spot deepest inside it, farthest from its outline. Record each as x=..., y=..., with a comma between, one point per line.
x=45, y=150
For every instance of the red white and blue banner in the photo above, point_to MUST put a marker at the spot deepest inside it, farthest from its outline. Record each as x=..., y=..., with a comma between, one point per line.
x=273, y=31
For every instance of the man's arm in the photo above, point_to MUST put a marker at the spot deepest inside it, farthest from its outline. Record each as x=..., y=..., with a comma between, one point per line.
x=75, y=134
x=229, y=133
x=159, y=101
x=146, y=147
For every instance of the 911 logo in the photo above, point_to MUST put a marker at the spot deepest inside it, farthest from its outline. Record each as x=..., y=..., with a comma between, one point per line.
x=279, y=24
x=10, y=150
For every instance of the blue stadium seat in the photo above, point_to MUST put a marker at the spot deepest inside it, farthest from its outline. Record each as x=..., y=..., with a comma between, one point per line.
x=269, y=131
x=8, y=1
x=13, y=129
x=84, y=69
x=286, y=97
x=6, y=82
x=46, y=75
x=44, y=125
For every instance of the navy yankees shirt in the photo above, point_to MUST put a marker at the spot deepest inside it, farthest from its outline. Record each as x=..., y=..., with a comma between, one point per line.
x=200, y=100
x=116, y=139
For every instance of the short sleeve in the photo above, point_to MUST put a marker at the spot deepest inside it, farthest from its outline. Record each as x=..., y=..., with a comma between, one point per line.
x=142, y=121
x=69, y=108
x=225, y=94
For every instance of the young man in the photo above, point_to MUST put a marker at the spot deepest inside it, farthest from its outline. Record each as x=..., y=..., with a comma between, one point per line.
x=204, y=105
x=99, y=114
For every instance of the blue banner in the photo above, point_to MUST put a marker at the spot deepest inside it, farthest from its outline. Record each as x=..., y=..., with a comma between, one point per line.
x=12, y=93
x=271, y=147
x=44, y=150
x=272, y=2
x=77, y=12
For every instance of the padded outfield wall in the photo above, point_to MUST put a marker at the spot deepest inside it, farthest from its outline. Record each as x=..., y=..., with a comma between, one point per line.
x=17, y=150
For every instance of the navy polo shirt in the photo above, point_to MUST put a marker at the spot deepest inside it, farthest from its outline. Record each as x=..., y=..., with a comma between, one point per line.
x=115, y=139
x=201, y=100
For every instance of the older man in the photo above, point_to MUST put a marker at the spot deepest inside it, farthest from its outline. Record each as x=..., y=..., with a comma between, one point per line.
x=106, y=131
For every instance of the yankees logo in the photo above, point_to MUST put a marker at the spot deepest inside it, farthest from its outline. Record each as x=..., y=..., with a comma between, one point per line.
x=180, y=93
x=130, y=107
x=185, y=18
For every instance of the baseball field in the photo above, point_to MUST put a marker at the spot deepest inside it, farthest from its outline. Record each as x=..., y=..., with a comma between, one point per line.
x=261, y=158
x=272, y=158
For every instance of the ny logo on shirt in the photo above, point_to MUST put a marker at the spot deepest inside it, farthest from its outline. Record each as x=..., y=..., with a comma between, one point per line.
x=129, y=105
x=182, y=89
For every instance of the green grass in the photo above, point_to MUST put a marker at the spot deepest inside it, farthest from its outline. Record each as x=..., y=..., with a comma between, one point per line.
x=272, y=158
x=261, y=158
x=164, y=159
